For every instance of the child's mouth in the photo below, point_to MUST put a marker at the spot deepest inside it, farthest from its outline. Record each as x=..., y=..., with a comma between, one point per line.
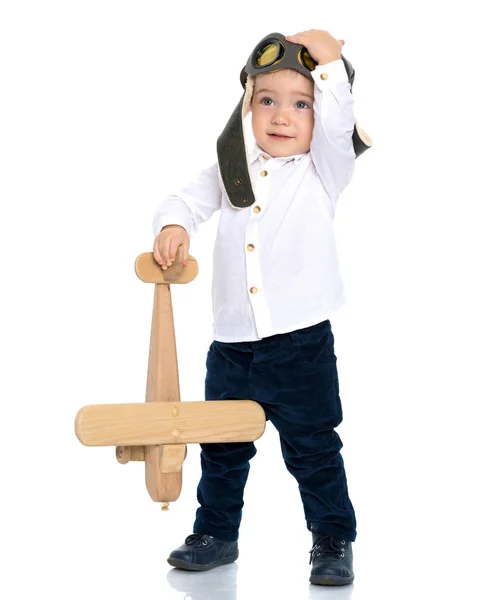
x=278, y=137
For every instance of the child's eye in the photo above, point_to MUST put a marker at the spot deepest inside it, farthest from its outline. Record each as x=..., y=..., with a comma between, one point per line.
x=302, y=104
x=266, y=101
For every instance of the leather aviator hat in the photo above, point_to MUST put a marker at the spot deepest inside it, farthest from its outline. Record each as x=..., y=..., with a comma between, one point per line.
x=271, y=54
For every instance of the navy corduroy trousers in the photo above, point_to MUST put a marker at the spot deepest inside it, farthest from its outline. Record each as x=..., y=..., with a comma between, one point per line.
x=294, y=377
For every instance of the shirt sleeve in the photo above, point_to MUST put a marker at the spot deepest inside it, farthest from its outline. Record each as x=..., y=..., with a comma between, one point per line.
x=192, y=205
x=332, y=150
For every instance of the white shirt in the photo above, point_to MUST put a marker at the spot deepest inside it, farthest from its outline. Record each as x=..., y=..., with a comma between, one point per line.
x=275, y=266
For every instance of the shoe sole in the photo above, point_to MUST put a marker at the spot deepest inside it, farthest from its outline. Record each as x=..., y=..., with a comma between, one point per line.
x=318, y=580
x=182, y=564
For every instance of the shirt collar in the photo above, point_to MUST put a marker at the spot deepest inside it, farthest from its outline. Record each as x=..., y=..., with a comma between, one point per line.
x=257, y=152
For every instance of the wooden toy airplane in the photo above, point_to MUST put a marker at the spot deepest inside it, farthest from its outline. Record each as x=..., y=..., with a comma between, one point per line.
x=158, y=430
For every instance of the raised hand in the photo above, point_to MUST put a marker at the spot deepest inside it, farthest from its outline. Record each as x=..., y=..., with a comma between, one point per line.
x=321, y=45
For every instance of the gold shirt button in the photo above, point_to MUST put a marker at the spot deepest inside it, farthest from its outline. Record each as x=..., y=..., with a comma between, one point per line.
x=250, y=247
x=253, y=290
x=257, y=209
x=265, y=156
x=263, y=173
x=324, y=75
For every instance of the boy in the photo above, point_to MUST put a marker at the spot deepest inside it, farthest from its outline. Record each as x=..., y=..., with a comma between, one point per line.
x=275, y=283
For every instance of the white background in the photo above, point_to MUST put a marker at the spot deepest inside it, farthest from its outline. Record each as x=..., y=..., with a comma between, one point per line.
x=107, y=106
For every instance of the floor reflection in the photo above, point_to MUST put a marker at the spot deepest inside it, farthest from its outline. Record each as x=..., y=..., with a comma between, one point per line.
x=221, y=584
x=333, y=592
x=216, y=584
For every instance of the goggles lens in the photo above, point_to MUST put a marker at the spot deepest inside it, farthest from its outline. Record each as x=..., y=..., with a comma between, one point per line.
x=268, y=54
x=307, y=60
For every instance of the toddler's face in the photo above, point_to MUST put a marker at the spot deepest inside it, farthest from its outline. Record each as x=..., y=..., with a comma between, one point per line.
x=282, y=112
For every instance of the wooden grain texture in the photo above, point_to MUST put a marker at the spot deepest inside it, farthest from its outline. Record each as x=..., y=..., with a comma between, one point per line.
x=172, y=458
x=125, y=454
x=153, y=423
x=162, y=383
x=162, y=386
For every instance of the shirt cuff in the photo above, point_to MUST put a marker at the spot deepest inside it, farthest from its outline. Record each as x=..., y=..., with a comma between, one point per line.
x=330, y=74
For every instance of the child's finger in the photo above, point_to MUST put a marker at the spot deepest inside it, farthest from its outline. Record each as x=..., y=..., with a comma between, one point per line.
x=165, y=252
x=173, y=250
x=156, y=251
x=186, y=247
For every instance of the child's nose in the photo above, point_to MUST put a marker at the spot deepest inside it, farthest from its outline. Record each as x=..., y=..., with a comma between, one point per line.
x=281, y=118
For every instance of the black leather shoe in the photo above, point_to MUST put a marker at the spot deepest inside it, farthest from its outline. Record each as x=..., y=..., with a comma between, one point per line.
x=332, y=561
x=201, y=552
